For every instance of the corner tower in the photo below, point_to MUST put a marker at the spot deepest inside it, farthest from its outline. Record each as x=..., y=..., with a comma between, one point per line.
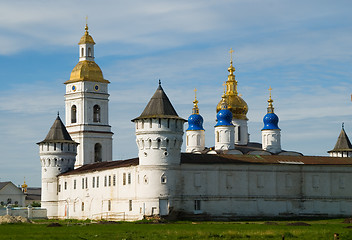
x=86, y=103
x=57, y=155
x=237, y=106
x=159, y=132
x=271, y=133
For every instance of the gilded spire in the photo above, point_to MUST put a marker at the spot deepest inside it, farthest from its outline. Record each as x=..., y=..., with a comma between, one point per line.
x=231, y=82
x=234, y=102
x=195, y=109
x=223, y=104
x=270, y=101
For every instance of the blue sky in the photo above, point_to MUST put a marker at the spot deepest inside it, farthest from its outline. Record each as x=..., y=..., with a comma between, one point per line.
x=302, y=49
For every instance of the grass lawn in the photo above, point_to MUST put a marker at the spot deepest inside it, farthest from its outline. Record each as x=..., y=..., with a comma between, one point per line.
x=314, y=229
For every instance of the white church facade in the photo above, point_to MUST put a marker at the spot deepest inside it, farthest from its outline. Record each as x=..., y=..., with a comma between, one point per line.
x=235, y=178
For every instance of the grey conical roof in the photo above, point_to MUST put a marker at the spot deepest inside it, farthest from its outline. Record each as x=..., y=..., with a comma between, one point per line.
x=57, y=133
x=343, y=143
x=159, y=106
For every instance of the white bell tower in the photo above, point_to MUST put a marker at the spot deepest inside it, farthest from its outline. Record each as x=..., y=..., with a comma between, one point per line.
x=86, y=103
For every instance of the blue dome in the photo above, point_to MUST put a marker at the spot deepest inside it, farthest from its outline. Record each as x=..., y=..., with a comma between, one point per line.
x=224, y=118
x=271, y=121
x=195, y=122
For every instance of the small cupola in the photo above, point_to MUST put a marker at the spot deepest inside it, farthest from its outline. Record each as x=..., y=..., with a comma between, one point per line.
x=270, y=120
x=195, y=121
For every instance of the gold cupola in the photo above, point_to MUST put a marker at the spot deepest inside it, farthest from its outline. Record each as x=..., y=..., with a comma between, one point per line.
x=86, y=69
x=86, y=38
x=236, y=104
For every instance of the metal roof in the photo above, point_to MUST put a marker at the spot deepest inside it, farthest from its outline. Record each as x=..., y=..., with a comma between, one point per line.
x=159, y=106
x=3, y=184
x=57, y=133
x=103, y=166
x=189, y=158
x=343, y=143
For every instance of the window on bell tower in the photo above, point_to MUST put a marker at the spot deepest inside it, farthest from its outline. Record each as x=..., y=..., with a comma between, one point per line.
x=97, y=152
x=96, y=113
x=82, y=52
x=89, y=52
x=73, y=114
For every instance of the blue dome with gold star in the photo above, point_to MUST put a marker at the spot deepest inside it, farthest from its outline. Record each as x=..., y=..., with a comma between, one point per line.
x=224, y=118
x=271, y=121
x=195, y=122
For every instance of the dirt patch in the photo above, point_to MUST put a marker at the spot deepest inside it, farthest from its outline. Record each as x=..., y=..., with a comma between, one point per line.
x=107, y=222
x=271, y=223
x=12, y=219
x=298, y=224
x=54, y=225
x=347, y=220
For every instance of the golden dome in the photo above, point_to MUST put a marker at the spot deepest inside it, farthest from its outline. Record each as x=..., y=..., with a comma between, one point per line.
x=87, y=71
x=86, y=38
x=236, y=104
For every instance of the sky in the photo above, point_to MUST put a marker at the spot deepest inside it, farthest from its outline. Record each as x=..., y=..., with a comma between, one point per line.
x=301, y=49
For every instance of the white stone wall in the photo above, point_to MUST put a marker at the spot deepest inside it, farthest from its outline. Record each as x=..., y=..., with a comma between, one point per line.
x=222, y=190
x=55, y=158
x=159, y=141
x=271, y=140
x=241, y=131
x=224, y=138
x=85, y=130
x=195, y=140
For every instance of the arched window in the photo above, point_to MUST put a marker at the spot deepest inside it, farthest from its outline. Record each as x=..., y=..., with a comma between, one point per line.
x=97, y=152
x=73, y=114
x=217, y=137
x=89, y=52
x=96, y=113
x=82, y=52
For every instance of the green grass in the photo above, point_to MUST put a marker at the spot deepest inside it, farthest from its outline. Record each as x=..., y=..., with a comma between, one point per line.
x=318, y=229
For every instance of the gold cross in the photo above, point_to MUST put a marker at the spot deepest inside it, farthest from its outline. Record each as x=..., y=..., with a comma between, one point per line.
x=86, y=20
x=231, y=51
x=270, y=91
x=195, y=93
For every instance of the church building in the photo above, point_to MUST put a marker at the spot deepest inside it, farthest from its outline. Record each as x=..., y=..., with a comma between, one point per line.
x=231, y=179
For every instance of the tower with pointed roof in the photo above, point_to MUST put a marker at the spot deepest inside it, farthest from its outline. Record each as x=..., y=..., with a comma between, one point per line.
x=195, y=136
x=343, y=146
x=271, y=133
x=224, y=129
x=159, y=132
x=237, y=106
x=57, y=155
x=86, y=103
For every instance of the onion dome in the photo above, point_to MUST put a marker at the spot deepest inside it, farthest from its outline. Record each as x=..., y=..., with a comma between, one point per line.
x=86, y=38
x=270, y=120
x=224, y=116
x=236, y=104
x=87, y=71
x=195, y=121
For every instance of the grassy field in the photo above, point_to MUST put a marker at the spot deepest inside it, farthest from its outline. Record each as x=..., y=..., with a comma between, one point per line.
x=308, y=229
